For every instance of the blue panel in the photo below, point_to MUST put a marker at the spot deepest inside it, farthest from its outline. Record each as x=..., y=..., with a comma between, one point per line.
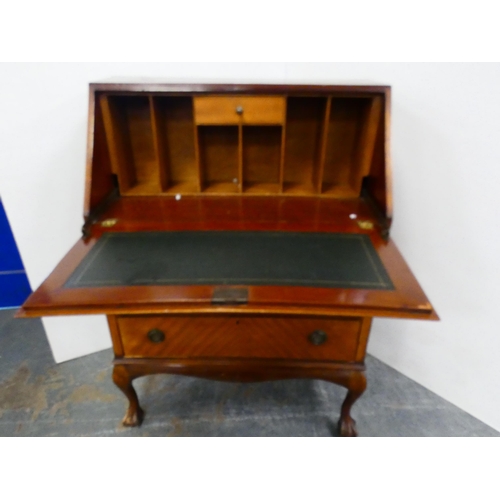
x=10, y=259
x=14, y=289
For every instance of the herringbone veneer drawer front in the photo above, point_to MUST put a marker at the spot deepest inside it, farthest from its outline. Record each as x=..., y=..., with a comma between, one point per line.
x=239, y=337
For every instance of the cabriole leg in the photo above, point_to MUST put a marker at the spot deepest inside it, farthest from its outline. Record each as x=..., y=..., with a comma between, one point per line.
x=356, y=385
x=123, y=380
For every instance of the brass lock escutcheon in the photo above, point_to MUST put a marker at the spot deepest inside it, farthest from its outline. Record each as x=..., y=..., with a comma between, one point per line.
x=317, y=337
x=156, y=336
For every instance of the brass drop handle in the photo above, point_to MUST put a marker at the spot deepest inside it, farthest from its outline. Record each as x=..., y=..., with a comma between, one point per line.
x=156, y=336
x=318, y=337
x=239, y=110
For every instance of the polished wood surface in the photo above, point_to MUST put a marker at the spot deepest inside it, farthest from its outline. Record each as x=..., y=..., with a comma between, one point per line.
x=161, y=146
x=337, y=133
x=304, y=143
x=122, y=377
x=407, y=300
x=172, y=157
x=363, y=155
x=176, y=144
x=219, y=158
x=378, y=185
x=141, y=87
x=115, y=336
x=261, y=159
x=346, y=121
x=238, y=336
x=99, y=181
x=247, y=110
x=118, y=141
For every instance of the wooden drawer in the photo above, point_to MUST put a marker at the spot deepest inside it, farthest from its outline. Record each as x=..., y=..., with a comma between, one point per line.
x=239, y=337
x=268, y=110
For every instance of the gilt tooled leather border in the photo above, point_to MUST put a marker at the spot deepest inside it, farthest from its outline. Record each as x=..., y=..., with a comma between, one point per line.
x=100, y=261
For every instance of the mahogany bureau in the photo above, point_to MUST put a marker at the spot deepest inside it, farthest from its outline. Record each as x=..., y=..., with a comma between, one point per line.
x=237, y=232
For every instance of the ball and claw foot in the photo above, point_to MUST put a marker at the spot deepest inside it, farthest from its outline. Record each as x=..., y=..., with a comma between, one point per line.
x=356, y=385
x=347, y=427
x=123, y=380
x=133, y=417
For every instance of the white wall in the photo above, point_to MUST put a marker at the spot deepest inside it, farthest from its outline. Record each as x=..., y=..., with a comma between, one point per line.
x=445, y=131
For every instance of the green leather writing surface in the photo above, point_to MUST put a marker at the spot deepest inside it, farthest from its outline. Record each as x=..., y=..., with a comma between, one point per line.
x=328, y=260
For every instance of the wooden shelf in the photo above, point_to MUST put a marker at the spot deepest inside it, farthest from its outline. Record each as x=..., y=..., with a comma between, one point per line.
x=351, y=129
x=221, y=187
x=183, y=188
x=299, y=188
x=218, y=158
x=261, y=159
x=261, y=188
x=339, y=191
x=323, y=146
x=172, y=125
x=143, y=189
x=304, y=141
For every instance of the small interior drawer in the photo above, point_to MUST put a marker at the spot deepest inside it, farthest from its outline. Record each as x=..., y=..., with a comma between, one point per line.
x=217, y=110
x=159, y=336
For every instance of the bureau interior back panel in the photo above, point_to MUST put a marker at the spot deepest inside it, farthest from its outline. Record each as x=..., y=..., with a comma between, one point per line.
x=167, y=145
x=326, y=260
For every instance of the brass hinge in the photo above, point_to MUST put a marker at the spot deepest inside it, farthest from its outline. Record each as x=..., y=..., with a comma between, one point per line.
x=93, y=216
x=109, y=222
x=382, y=221
x=365, y=224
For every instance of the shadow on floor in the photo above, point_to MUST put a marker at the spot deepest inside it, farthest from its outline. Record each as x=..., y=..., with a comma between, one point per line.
x=78, y=398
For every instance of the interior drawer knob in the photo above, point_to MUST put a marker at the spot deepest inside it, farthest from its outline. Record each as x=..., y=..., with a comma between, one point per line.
x=156, y=335
x=239, y=110
x=317, y=337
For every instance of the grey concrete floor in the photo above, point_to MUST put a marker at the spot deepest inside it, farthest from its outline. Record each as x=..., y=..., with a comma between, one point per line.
x=78, y=398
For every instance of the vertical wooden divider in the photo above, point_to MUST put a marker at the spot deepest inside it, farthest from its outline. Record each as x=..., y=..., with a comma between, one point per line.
x=118, y=143
x=159, y=138
x=240, y=158
x=366, y=144
x=324, y=137
x=198, y=157
x=283, y=146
